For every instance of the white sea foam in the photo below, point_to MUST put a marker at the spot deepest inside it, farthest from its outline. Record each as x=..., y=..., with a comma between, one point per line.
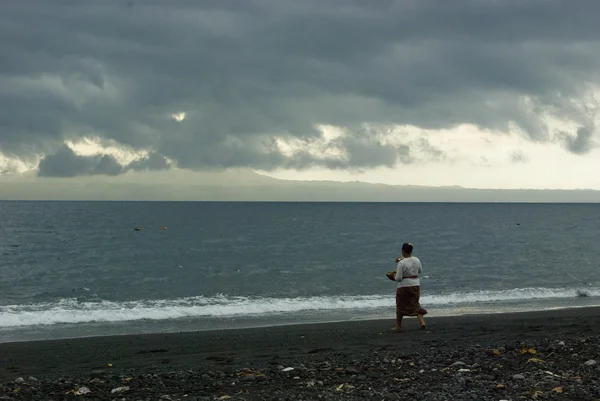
x=73, y=311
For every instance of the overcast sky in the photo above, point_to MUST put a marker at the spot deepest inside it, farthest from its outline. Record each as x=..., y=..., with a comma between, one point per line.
x=488, y=93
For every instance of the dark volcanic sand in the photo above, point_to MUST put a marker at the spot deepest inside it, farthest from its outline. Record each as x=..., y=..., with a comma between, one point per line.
x=458, y=358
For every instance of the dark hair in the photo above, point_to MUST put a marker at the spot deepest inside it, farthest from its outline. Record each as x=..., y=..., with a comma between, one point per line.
x=407, y=247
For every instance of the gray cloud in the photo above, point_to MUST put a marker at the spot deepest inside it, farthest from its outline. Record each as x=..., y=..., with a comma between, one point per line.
x=153, y=161
x=518, y=157
x=247, y=71
x=65, y=163
x=581, y=143
x=432, y=152
x=107, y=165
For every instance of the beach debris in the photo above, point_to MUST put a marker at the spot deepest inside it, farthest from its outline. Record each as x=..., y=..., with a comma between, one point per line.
x=531, y=351
x=245, y=372
x=79, y=391
x=591, y=362
x=224, y=397
x=500, y=386
x=119, y=390
x=82, y=391
x=518, y=376
x=536, y=393
x=535, y=360
x=557, y=389
x=110, y=365
x=552, y=374
x=250, y=374
x=493, y=352
x=287, y=369
x=343, y=386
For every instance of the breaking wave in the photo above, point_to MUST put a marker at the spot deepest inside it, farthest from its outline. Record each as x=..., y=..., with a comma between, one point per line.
x=72, y=310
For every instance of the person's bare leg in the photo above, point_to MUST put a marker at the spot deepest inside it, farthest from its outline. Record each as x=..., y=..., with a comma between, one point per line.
x=398, y=323
x=399, y=315
x=421, y=321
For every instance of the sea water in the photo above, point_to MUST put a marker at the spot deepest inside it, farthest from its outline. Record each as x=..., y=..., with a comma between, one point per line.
x=70, y=269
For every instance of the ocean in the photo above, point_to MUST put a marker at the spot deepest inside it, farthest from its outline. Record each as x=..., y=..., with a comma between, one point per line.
x=73, y=269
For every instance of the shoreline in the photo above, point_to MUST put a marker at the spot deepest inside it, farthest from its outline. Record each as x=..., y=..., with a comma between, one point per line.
x=266, y=325
x=206, y=363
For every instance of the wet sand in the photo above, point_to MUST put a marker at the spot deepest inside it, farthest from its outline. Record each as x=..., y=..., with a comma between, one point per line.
x=248, y=363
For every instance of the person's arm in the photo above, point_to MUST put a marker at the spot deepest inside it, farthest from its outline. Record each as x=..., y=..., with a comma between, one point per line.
x=399, y=271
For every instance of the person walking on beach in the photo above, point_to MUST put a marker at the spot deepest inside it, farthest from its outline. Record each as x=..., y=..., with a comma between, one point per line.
x=408, y=292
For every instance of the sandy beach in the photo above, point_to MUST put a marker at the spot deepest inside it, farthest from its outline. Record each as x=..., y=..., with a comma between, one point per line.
x=534, y=355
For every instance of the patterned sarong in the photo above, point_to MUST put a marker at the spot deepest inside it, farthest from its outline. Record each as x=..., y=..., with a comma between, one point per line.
x=407, y=301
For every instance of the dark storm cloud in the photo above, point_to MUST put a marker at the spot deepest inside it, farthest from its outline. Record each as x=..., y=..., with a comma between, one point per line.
x=582, y=142
x=65, y=163
x=153, y=161
x=248, y=71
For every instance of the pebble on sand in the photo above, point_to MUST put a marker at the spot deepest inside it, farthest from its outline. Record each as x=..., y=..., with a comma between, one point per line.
x=364, y=372
x=119, y=390
x=83, y=390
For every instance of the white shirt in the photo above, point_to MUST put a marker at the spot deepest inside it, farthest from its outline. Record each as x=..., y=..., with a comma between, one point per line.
x=410, y=266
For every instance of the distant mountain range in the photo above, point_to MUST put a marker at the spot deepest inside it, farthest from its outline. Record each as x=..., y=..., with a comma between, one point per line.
x=244, y=185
